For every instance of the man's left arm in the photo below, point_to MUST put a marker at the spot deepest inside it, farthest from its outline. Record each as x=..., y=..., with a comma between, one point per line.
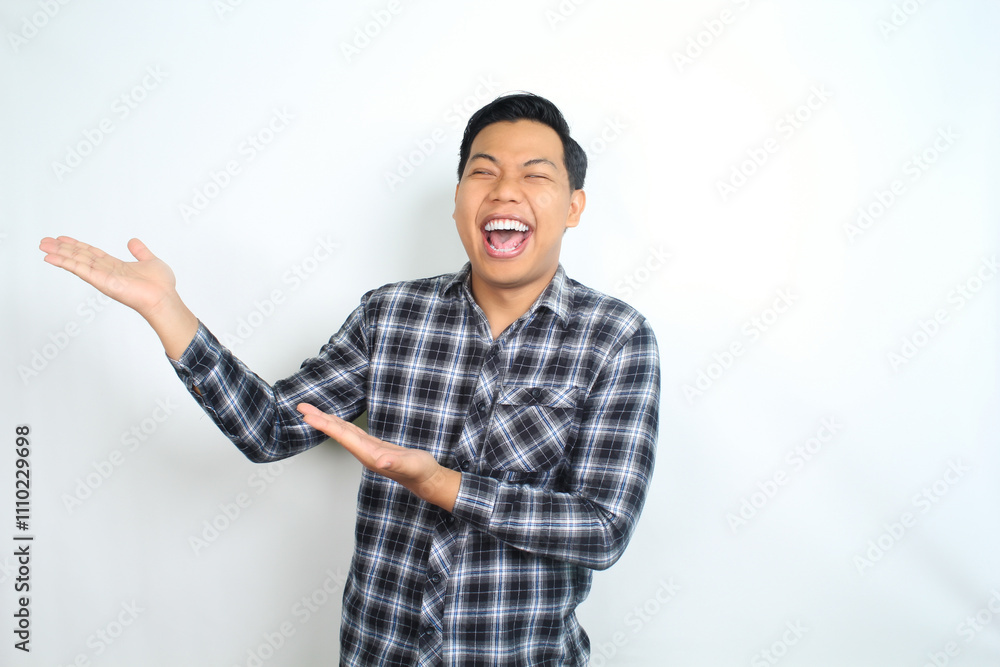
x=610, y=465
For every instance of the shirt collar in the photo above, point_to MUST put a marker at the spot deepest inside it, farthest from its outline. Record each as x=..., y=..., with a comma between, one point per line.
x=452, y=287
x=556, y=297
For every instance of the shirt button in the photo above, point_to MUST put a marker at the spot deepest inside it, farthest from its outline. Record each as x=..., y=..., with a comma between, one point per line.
x=483, y=407
x=435, y=579
x=465, y=465
x=536, y=393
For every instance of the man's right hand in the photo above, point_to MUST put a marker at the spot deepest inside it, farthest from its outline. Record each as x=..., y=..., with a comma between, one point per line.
x=147, y=285
x=142, y=286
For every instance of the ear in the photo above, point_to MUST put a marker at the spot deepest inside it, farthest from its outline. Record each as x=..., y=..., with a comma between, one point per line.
x=577, y=202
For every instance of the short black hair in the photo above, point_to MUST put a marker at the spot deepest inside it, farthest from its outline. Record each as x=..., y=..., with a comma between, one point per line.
x=526, y=106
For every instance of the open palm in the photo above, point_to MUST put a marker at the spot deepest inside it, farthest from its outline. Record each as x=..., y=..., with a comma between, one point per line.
x=142, y=285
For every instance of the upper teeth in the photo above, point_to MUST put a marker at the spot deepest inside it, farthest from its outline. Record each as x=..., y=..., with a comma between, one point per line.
x=502, y=223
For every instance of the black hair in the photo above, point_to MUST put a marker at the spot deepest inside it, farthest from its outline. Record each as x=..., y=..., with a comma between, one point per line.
x=526, y=106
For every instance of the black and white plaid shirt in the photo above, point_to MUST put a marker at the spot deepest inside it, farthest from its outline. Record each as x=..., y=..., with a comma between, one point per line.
x=553, y=425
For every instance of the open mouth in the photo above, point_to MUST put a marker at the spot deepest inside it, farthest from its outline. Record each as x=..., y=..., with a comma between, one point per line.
x=505, y=237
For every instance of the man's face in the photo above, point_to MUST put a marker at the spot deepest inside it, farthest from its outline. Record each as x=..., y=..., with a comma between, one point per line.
x=513, y=204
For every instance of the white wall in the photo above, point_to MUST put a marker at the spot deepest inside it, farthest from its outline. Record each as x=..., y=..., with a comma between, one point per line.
x=888, y=82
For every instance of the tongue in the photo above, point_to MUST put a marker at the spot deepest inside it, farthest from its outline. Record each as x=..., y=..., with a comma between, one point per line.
x=506, y=239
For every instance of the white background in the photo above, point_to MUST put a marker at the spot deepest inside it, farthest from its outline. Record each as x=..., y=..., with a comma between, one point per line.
x=668, y=99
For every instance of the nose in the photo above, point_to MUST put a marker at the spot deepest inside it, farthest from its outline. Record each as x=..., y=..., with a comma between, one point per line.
x=506, y=188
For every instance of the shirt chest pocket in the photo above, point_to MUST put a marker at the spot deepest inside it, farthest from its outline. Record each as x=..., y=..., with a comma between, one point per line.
x=532, y=428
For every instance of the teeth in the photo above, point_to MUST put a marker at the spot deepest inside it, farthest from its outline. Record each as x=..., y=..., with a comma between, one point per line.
x=502, y=223
x=505, y=250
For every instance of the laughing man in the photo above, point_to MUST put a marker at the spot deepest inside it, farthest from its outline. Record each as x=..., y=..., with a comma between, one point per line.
x=512, y=413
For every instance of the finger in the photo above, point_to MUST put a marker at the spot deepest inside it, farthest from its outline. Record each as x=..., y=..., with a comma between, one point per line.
x=139, y=250
x=333, y=420
x=85, y=261
x=61, y=239
x=361, y=449
x=370, y=451
x=333, y=426
x=61, y=246
x=307, y=408
x=74, y=247
x=68, y=253
x=68, y=248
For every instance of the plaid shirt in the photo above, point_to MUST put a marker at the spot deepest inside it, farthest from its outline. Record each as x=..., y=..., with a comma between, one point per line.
x=553, y=425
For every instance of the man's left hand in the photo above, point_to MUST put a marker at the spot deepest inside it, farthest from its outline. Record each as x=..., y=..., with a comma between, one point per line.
x=415, y=469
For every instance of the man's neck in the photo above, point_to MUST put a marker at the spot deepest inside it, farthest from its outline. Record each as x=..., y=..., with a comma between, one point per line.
x=502, y=306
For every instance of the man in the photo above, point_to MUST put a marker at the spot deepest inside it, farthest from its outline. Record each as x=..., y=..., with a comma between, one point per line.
x=512, y=413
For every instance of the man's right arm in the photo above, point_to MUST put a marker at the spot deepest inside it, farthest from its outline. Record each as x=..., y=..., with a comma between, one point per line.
x=260, y=419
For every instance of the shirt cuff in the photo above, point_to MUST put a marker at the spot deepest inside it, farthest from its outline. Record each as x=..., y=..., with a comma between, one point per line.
x=477, y=499
x=199, y=359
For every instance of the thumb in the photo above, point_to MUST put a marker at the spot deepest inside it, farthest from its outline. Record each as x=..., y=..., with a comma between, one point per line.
x=139, y=250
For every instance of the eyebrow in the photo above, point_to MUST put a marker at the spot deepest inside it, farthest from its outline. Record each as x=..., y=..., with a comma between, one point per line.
x=529, y=163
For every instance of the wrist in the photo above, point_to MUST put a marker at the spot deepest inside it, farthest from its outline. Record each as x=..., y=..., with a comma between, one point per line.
x=442, y=488
x=174, y=323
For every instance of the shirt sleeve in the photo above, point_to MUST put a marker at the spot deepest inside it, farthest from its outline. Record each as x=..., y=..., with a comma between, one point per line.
x=610, y=466
x=261, y=419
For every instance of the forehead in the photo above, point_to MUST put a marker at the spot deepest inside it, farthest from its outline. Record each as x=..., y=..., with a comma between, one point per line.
x=519, y=141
